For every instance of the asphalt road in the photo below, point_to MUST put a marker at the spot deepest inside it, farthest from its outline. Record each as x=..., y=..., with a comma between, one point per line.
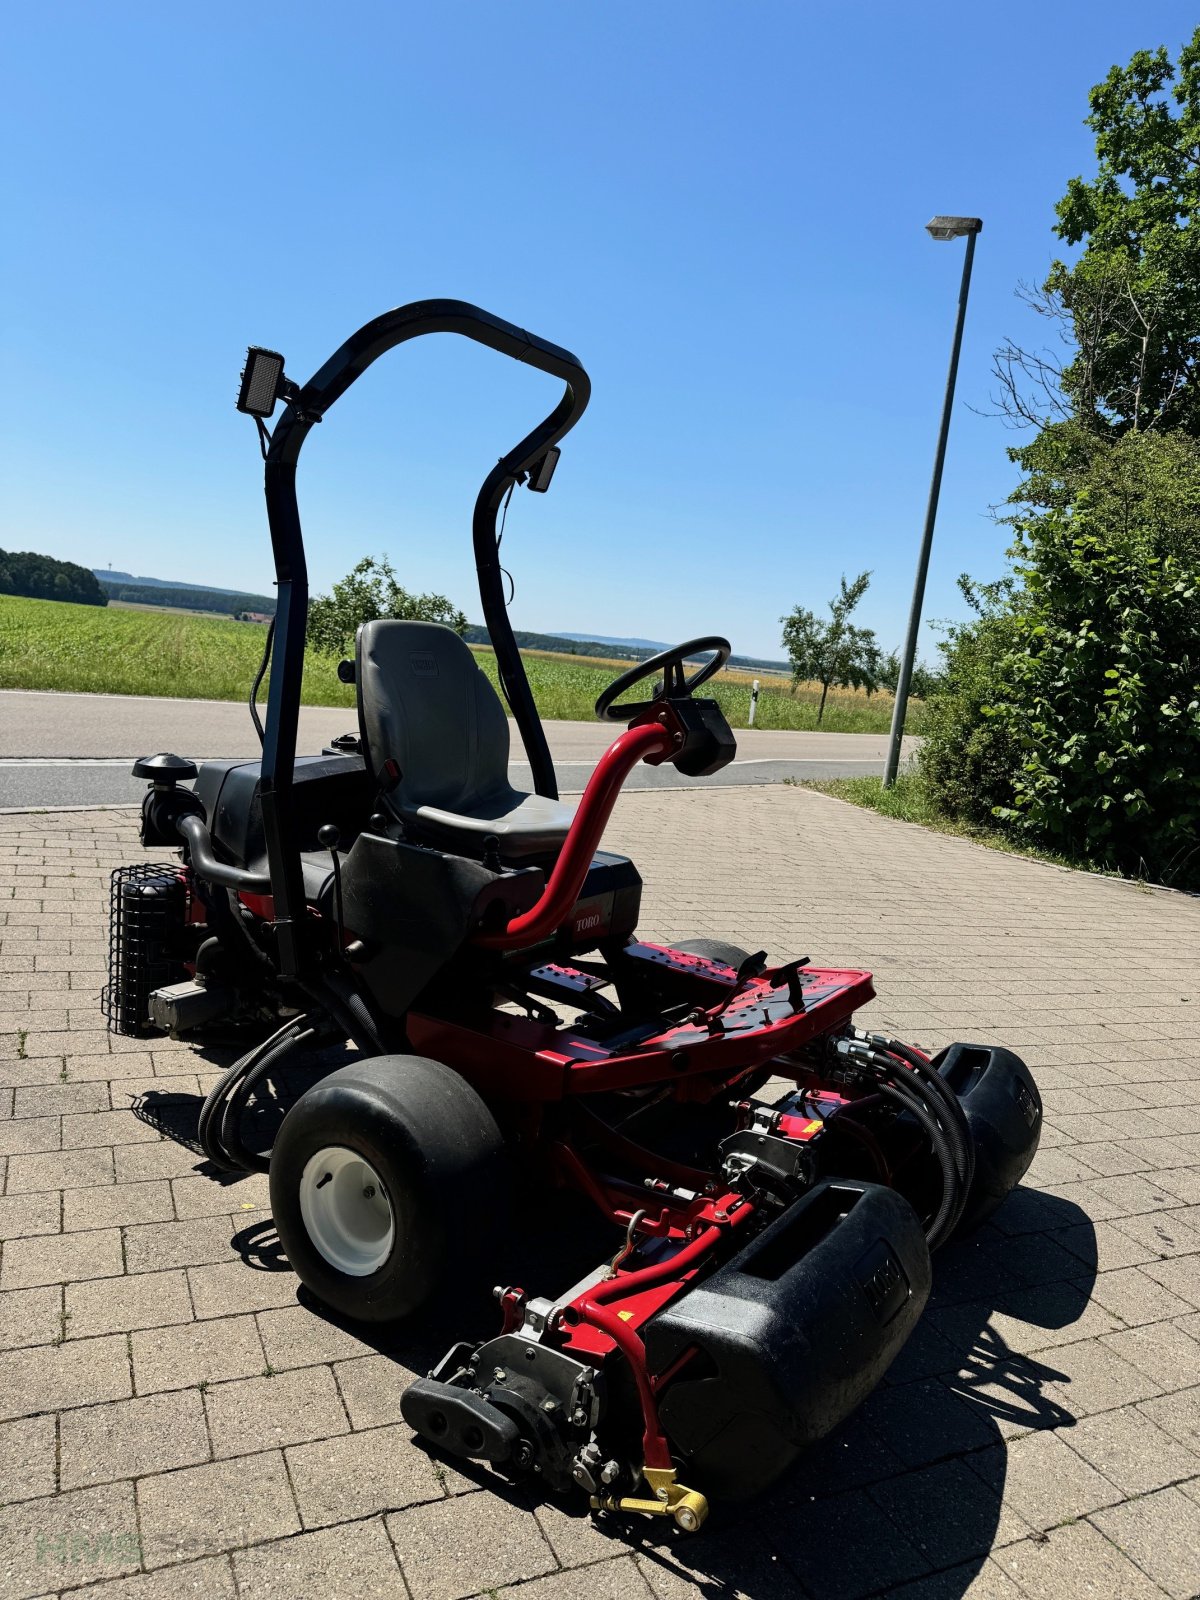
x=76, y=750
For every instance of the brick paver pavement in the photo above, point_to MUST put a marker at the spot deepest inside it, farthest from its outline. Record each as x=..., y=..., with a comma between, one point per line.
x=173, y=1422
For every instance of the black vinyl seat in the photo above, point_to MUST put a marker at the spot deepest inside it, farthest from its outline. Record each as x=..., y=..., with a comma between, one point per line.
x=424, y=704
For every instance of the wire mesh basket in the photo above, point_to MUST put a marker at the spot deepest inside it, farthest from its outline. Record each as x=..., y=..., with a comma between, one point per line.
x=147, y=910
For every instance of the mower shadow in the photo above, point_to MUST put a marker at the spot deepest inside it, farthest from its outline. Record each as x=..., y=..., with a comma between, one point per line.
x=909, y=1490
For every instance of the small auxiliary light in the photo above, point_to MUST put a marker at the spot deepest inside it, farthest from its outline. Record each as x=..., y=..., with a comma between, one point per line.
x=543, y=470
x=262, y=379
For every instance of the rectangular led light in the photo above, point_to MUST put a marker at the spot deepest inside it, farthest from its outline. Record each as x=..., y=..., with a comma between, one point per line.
x=260, y=381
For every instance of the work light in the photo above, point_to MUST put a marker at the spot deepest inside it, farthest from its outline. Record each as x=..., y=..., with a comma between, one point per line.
x=261, y=378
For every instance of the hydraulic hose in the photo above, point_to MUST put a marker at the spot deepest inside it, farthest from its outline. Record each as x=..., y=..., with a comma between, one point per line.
x=953, y=1195
x=925, y=1070
x=944, y=1103
x=935, y=1108
x=232, y=1145
x=211, y=1138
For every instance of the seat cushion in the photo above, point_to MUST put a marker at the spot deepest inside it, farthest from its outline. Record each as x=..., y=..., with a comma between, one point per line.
x=523, y=825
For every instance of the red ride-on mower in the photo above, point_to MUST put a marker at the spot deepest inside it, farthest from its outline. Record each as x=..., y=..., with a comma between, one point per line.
x=769, y=1253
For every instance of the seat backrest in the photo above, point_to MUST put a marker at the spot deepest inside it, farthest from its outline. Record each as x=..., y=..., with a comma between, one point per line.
x=424, y=703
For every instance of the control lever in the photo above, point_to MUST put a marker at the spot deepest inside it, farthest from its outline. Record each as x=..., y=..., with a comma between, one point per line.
x=329, y=837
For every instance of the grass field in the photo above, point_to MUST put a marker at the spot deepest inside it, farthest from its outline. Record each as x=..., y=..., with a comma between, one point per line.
x=45, y=644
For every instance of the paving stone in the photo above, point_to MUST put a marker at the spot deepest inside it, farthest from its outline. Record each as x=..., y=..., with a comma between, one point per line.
x=177, y=1244
x=855, y=1547
x=116, y=1205
x=105, y=1128
x=1103, y=1247
x=359, y=1475
x=208, y=1579
x=295, y=1337
x=1131, y=1451
x=352, y=1562
x=1163, y=1351
x=204, y=1197
x=59, y=1169
x=574, y=1533
x=27, y=1459
x=130, y=1437
x=371, y=1388
x=137, y=1163
x=1164, y=1232
x=61, y=1258
x=455, y=1548
x=30, y=1133
x=52, y=1099
x=1043, y=1481
x=1096, y=1379
x=288, y=1408
x=114, y=1305
x=196, y=1352
x=1076, y=1560
x=74, y=1374
x=618, y=1579
x=30, y=1316
x=201, y=1510
x=1136, y=1298
x=67, y=1539
x=973, y=1514
x=1181, y=1277
x=922, y=1422
x=230, y=1286
x=24, y=1215
x=1178, y=1414
x=1161, y=1532
x=968, y=1582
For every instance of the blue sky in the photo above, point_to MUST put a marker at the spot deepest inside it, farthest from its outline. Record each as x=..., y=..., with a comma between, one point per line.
x=719, y=207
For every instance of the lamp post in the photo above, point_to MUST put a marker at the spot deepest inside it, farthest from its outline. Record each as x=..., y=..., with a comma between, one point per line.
x=939, y=228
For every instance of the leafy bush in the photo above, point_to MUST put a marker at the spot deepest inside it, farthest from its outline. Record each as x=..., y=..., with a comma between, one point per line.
x=1071, y=712
x=1103, y=698
x=969, y=757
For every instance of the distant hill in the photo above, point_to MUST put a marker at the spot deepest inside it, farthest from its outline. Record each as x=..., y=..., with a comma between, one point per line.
x=639, y=649
x=207, y=597
x=185, y=596
x=650, y=646
x=107, y=575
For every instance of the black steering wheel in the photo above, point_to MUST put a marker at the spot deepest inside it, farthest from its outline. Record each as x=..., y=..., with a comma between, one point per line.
x=670, y=663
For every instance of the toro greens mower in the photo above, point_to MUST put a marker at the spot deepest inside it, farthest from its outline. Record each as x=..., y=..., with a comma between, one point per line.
x=773, y=1177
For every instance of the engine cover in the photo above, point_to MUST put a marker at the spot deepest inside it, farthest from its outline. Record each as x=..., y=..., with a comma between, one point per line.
x=791, y=1334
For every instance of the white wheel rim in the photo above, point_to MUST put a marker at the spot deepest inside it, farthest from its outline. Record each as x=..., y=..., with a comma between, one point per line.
x=346, y=1211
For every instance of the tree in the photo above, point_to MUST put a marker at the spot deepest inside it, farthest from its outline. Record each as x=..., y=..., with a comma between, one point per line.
x=24, y=572
x=836, y=652
x=923, y=682
x=370, y=591
x=1126, y=314
x=1071, y=716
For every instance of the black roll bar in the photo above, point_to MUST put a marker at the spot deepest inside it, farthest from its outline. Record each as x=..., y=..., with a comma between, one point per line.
x=305, y=409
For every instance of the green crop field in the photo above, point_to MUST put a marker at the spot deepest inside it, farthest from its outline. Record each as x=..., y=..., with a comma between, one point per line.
x=46, y=644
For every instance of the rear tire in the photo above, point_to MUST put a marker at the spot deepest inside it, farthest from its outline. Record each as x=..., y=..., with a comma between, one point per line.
x=388, y=1181
x=713, y=950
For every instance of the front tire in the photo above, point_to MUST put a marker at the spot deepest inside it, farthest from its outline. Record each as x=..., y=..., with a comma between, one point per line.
x=388, y=1181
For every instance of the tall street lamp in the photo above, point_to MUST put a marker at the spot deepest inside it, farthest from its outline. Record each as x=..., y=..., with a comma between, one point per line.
x=939, y=228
